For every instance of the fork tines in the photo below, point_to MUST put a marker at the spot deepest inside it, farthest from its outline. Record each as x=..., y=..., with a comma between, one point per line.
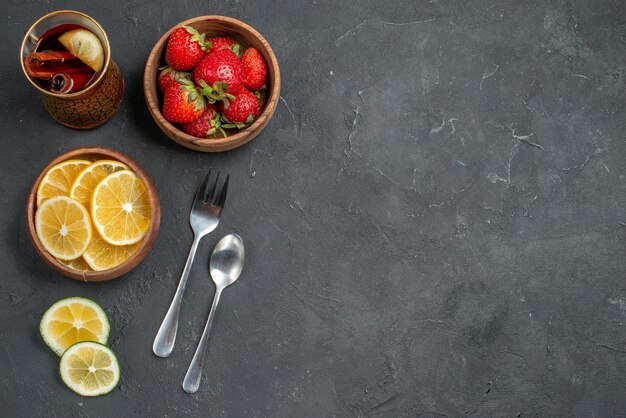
x=208, y=191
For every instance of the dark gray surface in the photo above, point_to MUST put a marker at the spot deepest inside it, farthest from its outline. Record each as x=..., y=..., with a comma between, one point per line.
x=434, y=218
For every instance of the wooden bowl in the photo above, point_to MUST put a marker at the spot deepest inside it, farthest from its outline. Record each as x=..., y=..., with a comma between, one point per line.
x=97, y=153
x=246, y=37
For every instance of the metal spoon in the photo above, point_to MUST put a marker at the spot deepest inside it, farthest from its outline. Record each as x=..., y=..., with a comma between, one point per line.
x=225, y=266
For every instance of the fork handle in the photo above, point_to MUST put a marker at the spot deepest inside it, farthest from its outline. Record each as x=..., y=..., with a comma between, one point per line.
x=166, y=336
x=191, y=382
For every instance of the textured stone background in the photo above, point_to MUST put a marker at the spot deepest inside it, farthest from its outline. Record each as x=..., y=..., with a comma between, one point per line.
x=434, y=218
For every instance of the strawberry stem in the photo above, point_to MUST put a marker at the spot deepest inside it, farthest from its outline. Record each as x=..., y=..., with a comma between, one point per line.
x=216, y=92
x=198, y=37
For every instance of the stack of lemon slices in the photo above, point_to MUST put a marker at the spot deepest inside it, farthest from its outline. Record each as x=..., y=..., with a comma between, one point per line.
x=77, y=329
x=91, y=215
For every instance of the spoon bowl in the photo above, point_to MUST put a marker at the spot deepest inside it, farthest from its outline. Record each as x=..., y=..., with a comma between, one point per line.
x=227, y=260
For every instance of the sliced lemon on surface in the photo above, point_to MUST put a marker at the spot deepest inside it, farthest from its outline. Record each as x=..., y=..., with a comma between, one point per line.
x=77, y=264
x=89, y=177
x=63, y=227
x=73, y=320
x=59, y=179
x=100, y=255
x=90, y=369
x=85, y=46
x=120, y=208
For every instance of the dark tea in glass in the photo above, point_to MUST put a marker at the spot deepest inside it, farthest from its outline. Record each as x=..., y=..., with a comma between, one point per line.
x=65, y=59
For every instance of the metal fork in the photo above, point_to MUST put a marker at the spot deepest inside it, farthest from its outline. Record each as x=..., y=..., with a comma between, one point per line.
x=205, y=215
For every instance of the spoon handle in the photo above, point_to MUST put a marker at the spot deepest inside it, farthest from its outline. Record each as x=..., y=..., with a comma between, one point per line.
x=166, y=336
x=191, y=382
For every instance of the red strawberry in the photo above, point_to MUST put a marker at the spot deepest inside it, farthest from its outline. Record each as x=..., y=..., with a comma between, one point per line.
x=222, y=72
x=220, y=43
x=169, y=77
x=184, y=104
x=241, y=111
x=185, y=48
x=255, y=68
x=206, y=125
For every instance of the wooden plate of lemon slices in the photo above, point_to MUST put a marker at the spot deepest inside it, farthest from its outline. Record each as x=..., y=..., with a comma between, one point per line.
x=93, y=214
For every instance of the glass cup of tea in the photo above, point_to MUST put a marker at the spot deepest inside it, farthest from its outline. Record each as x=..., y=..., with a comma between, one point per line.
x=67, y=57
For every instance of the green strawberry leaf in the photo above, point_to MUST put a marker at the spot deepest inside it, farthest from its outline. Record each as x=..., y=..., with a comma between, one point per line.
x=165, y=69
x=187, y=83
x=190, y=30
x=178, y=75
x=250, y=119
x=206, y=90
x=220, y=86
x=205, y=87
x=199, y=104
x=236, y=48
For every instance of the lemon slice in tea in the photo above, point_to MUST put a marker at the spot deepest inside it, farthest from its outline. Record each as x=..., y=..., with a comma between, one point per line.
x=90, y=369
x=63, y=227
x=120, y=208
x=85, y=46
x=73, y=320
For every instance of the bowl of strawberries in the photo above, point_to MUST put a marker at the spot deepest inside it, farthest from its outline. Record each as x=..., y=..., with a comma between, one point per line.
x=212, y=83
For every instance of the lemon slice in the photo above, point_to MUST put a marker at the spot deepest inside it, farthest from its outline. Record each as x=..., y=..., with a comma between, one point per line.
x=85, y=46
x=59, y=179
x=89, y=177
x=100, y=255
x=77, y=264
x=90, y=369
x=73, y=320
x=63, y=227
x=120, y=208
